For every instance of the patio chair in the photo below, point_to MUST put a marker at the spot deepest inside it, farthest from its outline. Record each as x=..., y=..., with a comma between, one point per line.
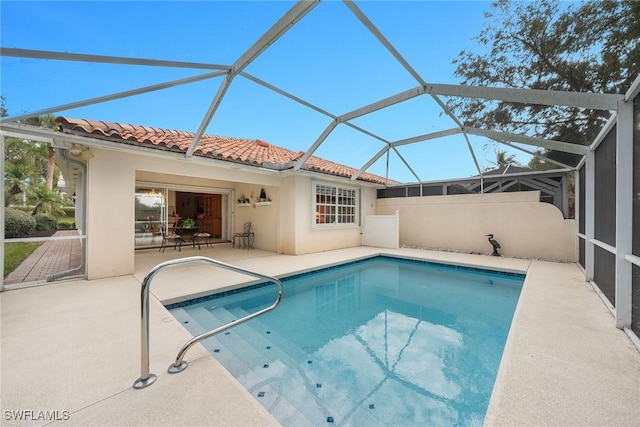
x=245, y=237
x=168, y=237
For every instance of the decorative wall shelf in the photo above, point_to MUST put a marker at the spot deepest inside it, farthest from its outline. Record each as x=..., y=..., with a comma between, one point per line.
x=244, y=205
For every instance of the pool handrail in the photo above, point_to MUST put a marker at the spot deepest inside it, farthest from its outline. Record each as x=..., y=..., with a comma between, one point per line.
x=147, y=378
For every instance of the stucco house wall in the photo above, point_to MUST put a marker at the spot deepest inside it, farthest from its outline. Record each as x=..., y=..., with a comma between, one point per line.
x=285, y=226
x=263, y=218
x=300, y=236
x=524, y=226
x=110, y=215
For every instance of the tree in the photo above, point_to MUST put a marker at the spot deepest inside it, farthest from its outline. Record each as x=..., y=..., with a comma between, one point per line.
x=48, y=121
x=16, y=180
x=3, y=108
x=30, y=168
x=25, y=165
x=593, y=46
x=504, y=160
x=47, y=201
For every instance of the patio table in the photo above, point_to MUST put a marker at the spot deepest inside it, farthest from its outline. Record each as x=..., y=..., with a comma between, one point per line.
x=188, y=234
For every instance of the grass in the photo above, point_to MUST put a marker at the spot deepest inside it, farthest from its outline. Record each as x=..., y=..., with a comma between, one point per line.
x=15, y=253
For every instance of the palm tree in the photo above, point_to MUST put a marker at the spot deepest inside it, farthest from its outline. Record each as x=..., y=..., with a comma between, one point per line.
x=24, y=166
x=16, y=180
x=30, y=168
x=48, y=121
x=47, y=201
x=502, y=160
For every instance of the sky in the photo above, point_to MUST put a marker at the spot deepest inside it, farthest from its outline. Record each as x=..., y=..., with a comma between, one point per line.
x=328, y=59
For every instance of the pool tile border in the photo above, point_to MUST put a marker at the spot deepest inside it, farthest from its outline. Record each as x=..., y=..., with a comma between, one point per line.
x=230, y=292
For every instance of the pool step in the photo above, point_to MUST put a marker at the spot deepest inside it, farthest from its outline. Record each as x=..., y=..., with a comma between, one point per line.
x=260, y=387
x=303, y=390
x=243, y=352
x=293, y=401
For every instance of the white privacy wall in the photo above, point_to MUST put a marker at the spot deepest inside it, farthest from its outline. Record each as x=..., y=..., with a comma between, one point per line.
x=524, y=226
x=382, y=231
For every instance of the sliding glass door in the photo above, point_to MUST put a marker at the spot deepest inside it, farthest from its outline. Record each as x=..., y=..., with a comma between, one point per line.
x=150, y=216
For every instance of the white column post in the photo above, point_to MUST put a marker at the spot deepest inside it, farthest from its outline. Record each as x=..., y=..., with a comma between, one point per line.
x=624, y=209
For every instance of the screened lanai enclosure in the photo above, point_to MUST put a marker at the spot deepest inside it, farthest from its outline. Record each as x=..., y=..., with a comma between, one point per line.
x=606, y=173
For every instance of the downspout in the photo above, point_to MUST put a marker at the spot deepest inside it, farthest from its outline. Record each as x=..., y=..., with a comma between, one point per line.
x=83, y=209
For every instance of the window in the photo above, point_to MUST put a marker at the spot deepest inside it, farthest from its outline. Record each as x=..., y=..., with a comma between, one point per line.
x=335, y=205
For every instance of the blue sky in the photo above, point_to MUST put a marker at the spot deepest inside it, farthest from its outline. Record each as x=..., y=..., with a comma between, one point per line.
x=328, y=59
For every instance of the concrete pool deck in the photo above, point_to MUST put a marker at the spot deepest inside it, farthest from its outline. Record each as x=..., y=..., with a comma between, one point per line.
x=74, y=347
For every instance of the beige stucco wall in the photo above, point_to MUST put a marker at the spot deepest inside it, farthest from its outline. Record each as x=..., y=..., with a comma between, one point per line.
x=285, y=226
x=110, y=203
x=110, y=215
x=299, y=236
x=522, y=225
x=264, y=218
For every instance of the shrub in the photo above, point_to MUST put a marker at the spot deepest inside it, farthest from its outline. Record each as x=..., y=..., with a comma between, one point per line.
x=45, y=222
x=18, y=223
x=66, y=224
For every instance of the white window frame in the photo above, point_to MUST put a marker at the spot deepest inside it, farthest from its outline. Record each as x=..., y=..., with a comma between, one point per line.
x=337, y=206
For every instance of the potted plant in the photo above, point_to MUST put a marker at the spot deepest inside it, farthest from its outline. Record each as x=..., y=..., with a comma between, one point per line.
x=188, y=222
x=242, y=199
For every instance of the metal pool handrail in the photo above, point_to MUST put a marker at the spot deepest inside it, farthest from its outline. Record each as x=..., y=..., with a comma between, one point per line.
x=147, y=378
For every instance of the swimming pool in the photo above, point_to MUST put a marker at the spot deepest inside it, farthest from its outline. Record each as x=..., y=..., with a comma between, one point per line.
x=383, y=341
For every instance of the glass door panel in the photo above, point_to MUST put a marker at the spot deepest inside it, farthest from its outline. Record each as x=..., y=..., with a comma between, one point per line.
x=150, y=215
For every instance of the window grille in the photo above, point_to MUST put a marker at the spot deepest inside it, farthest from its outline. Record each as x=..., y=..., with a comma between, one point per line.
x=335, y=205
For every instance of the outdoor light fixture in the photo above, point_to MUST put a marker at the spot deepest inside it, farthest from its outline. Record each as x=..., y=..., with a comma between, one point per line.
x=61, y=182
x=86, y=154
x=75, y=150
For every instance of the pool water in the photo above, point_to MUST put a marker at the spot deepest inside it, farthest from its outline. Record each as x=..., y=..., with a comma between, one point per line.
x=380, y=342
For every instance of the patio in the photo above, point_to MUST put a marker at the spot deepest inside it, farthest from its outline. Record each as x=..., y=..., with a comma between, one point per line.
x=71, y=349
x=564, y=362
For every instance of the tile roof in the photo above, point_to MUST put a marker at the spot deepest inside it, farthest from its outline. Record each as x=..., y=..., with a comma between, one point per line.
x=253, y=152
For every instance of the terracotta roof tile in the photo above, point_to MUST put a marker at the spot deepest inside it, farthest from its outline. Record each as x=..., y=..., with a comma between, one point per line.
x=248, y=151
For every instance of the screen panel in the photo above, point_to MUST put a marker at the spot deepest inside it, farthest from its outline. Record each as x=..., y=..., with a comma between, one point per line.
x=635, y=299
x=582, y=174
x=604, y=273
x=636, y=178
x=605, y=189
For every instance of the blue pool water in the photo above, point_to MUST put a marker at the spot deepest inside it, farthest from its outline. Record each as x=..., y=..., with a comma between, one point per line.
x=377, y=342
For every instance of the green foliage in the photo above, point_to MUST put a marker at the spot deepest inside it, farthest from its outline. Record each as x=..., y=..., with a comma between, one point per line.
x=3, y=108
x=15, y=253
x=30, y=168
x=503, y=159
x=45, y=222
x=188, y=222
x=47, y=201
x=70, y=211
x=591, y=46
x=18, y=223
x=66, y=224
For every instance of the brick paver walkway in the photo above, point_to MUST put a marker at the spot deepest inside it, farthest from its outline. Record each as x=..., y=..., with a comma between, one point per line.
x=51, y=257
